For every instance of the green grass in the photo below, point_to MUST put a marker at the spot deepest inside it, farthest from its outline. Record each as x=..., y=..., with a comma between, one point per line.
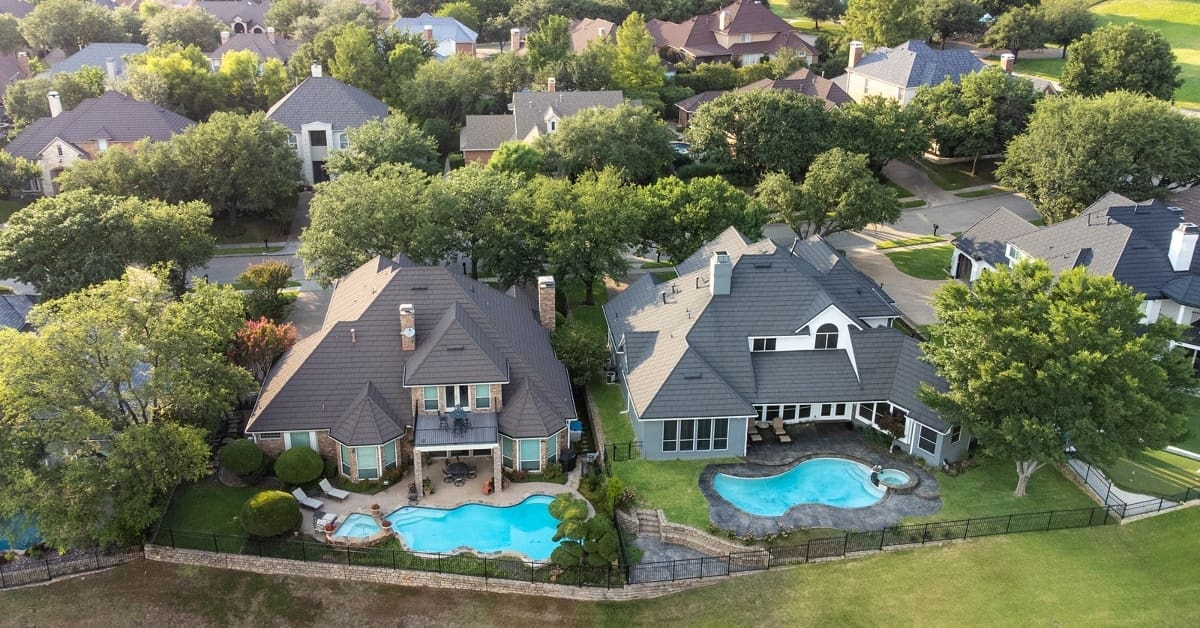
x=670, y=485
x=903, y=242
x=573, y=288
x=1155, y=473
x=1178, y=21
x=1191, y=440
x=901, y=192
x=664, y=274
x=247, y=250
x=927, y=263
x=650, y=265
x=9, y=206
x=1047, y=68
x=988, y=191
x=249, y=231
x=958, y=176
x=987, y=490
x=802, y=22
x=208, y=507
x=917, y=202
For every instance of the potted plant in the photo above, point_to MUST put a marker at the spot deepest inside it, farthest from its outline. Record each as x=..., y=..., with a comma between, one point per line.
x=427, y=486
x=387, y=526
x=375, y=509
x=329, y=528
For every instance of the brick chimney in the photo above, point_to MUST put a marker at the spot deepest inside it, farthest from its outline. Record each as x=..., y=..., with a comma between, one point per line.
x=224, y=37
x=428, y=32
x=545, y=285
x=110, y=67
x=408, y=327
x=1183, y=246
x=23, y=64
x=1006, y=62
x=55, y=104
x=856, y=53
x=550, y=83
x=271, y=34
x=316, y=70
x=514, y=39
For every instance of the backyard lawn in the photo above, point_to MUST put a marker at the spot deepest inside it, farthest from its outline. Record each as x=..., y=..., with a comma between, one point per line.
x=248, y=231
x=1155, y=472
x=672, y=486
x=987, y=490
x=9, y=206
x=1178, y=21
x=208, y=507
x=1191, y=440
x=925, y=263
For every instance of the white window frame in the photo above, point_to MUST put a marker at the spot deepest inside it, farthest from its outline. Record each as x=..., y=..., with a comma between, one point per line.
x=955, y=433
x=287, y=439
x=459, y=399
x=343, y=140
x=486, y=398
x=921, y=439
x=521, y=459
x=822, y=337
x=293, y=141
x=426, y=398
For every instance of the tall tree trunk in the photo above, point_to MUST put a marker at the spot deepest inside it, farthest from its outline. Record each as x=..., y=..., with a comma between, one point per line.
x=588, y=297
x=1025, y=469
x=474, y=268
x=974, y=163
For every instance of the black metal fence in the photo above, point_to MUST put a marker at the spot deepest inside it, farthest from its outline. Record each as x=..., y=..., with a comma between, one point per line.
x=26, y=570
x=1107, y=493
x=619, y=452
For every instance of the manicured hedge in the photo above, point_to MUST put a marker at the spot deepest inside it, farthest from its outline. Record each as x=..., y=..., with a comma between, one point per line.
x=299, y=465
x=270, y=513
x=241, y=457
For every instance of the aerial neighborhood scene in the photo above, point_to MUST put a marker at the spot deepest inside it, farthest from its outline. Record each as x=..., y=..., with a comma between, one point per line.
x=600, y=312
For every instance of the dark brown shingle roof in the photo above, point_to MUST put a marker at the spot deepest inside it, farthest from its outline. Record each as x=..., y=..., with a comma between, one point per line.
x=114, y=117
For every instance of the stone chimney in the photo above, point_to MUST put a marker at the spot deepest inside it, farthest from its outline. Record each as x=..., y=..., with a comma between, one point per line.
x=723, y=21
x=55, y=104
x=1183, y=246
x=550, y=83
x=601, y=31
x=545, y=287
x=514, y=39
x=720, y=273
x=316, y=70
x=224, y=37
x=856, y=53
x=408, y=327
x=271, y=34
x=427, y=31
x=1006, y=62
x=23, y=64
x=110, y=67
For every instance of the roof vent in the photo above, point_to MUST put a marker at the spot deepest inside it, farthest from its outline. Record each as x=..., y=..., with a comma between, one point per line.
x=693, y=376
x=420, y=287
x=455, y=348
x=1175, y=208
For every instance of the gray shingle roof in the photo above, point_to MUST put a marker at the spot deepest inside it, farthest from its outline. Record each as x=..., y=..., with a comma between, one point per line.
x=456, y=352
x=530, y=113
x=369, y=420
x=913, y=64
x=252, y=13
x=986, y=239
x=486, y=132
x=312, y=385
x=806, y=83
x=16, y=8
x=96, y=56
x=14, y=309
x=326, y=99
x=444, y=28
x=686, y=352
x=258, y=43
x=112, y=116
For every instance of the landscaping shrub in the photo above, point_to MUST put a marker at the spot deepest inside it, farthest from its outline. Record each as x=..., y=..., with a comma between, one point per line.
x=242, y=457
x=331, y=468
x=697, y=170
x=271, y=513
x=299, y=465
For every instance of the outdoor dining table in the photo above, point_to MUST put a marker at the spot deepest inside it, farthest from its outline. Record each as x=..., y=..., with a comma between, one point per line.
x=458, y=469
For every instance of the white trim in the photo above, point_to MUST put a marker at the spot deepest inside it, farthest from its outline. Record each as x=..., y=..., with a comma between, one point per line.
x=452, y=446
x=688, y=418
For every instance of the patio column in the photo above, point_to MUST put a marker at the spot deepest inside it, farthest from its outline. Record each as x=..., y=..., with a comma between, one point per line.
x=417, y=471
x=497, y=472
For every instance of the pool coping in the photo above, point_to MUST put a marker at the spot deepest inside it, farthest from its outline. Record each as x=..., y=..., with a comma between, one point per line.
x=888, y=511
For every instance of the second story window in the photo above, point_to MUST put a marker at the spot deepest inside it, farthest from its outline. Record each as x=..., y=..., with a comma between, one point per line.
x=343, y=140
x=430, y=398
x=483, y=396
x=763, y=344
x=291, y=140
x=827, y=336
x=317, y=138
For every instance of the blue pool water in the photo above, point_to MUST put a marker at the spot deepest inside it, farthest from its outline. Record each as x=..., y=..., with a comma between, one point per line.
x=526, y=528
x=830, y=481
x=894, y=477
x=26, y=534
x=357, y=525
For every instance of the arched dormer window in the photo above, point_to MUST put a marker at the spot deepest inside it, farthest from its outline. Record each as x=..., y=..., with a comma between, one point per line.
x=827, y=336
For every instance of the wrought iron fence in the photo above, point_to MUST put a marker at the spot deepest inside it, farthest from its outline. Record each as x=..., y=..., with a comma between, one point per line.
x=619, y=452
x=26, y=570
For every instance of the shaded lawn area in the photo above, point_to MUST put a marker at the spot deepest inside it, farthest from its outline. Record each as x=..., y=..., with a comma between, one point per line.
x=901, y=192
x=988, y=191
x=1155, y=472
x=247, y=250
x=916, y=202
x=1191, y=440
x=248, y=231
x=1047, y=68
x=208, y=507
x=926, y=263
x=958, y=176
x=1143, y=573
x=670, y=485
x=987, y=490
x=9, y=206
x=1178, y=21
x=573, y=289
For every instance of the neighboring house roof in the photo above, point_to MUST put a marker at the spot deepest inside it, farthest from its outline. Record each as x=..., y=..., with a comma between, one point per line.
x=698, y=36
x=913, y=64
x=96, y=56
x=692, y=103
x=113, y=116
x=11, y=71
x=258, y=43
x=228, y=11
x=352, y=382
x=14, y=309
x=444, y=28
x=1189, y=201
x=531, y=113
x=326, y=99
x=806, y=83
x=584, y=31
x=1114, y=236
x=986, y=240
x=686, y=351
x=16, y=8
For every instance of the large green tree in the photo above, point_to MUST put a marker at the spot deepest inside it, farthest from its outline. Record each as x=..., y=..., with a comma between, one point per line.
x=441, y=95
x=356, y=60
x=761, y=131
x=11, y=40
x=1067, y=21
x=582, y=540
x=1036, y=363
x=392, y=140
x=945, y=19
x=818, y=10
x=582, y=348
x=1128, y=56
x=108, y=404
x=187, y=27
x=282, y=14
x=1023, y=28
x=251, y=83
x=15, y=172
x=884, y=22
x=466, y=206
x=25, y=100
x=678, y=217
x=637, y=68
x=880, y=128
x=103, y=234
x=1075, y=149
x=977, y=116
x=70, y=25
x=176, y=77
x=549, y=42
x=335, y=13
x=632, y=139
x=839, y=193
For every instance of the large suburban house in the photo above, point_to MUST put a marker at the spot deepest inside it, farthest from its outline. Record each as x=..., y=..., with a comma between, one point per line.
x=745, y=32
x=95, y=125
x=1150, y=246
x=238, y=16
x=108, y=57
x=265, y=45
x=449, y=36
x=534, y=114
x=897, y=73
x=802, y=81
x=754, y=331
x=418, y=360
x=320, y=112
x=588, y=29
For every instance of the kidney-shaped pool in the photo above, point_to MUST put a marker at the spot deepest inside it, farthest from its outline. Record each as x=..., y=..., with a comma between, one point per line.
x=834, y=482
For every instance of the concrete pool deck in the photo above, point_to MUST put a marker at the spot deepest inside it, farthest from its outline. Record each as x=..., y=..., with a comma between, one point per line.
x=772, y=458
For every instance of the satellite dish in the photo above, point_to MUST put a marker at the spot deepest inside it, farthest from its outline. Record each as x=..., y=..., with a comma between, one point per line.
x=408, y=332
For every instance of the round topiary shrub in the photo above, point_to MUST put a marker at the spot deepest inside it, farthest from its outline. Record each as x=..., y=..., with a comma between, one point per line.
x=270, y=513
x=299, y=465
x=241, y=457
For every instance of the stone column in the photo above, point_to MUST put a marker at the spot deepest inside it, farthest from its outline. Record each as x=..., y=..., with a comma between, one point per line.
x=418, y=470
x=497, y=471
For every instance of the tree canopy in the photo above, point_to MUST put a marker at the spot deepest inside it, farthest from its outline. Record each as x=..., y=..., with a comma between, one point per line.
x=632, y=139
x=465, y=206
x=636, y=67
x=678, y=217
x=25, y=100
x=71, y=25
x=582, y=540
x=391, y=140
x=582, y=348
x=1020, y=336
x=1023, y=28
x=818, y=10
x=880, y=128
x=550, y=41
x=176, y=77
x=1128, y=56
x=188, y=27
x=978, y=115
x=839, y=193
x=945, y=19
x=1067, y=21
x=884, y=22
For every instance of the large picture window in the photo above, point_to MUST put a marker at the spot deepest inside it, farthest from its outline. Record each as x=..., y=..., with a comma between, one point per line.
x=696, y=435
x=552, y=449
x=368, y=462
x=389, y=455
x=927, y=440
x=531, y=455
x=301, y=439
x=344, y=451
x=506, y=448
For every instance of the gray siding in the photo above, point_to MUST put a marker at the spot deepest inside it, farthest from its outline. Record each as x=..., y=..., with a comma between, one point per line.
x=650, y=433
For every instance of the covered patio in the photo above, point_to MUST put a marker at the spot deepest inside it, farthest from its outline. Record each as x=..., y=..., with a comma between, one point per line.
x=457, y=435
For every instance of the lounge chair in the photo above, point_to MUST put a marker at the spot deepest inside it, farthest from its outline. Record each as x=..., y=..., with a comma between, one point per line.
x=307, y=501
x=777, y=423
x=332, y=491
x=755, y=437
x=413, y=494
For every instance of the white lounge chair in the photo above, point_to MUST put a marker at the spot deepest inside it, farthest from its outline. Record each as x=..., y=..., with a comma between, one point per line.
x=307, y=501
x=332, y=491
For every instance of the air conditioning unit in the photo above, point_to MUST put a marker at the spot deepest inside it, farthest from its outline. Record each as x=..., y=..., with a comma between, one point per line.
x=611, y=376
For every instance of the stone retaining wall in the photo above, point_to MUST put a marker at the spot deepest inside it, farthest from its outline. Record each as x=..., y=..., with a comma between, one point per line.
x=407, y=578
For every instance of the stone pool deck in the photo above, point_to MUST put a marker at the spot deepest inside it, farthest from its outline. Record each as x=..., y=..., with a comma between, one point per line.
x=772, y=458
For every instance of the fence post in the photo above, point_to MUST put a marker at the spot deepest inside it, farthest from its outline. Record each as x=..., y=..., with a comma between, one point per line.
x=46, y=561
x=259, y=543
x=532, y=568
x=2, y=583
x=1008, y=524
x=608, y=578
x=303, y=552
x=807, y=551
x=96, y=555
x=728, y=563
x=845, y=542
x=768, y=559
x=924, y=534
x=216, y=548
x=439, y=562
x=967, y=529
x=347, y=555
x=171, y=533
x=1049, y=519
x=485, y=574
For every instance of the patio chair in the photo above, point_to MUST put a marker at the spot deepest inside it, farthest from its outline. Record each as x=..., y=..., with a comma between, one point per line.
x=332, y=491
x=414, y=495
x=472, y=471
x=755, y=437
x=306, y=501
x=777, y=423
x=446, y=477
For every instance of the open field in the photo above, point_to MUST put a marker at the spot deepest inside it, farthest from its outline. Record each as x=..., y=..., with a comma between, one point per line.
x=1178, y=21
x=1141, y=574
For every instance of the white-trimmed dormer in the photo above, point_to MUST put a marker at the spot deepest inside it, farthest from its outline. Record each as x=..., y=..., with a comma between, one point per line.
x=552, y=120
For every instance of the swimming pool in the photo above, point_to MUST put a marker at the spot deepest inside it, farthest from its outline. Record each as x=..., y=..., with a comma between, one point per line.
x=830, y=481
x=357, y=526
x=525, y=528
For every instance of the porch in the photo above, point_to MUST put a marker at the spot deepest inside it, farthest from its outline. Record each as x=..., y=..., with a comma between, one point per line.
x=458, y=435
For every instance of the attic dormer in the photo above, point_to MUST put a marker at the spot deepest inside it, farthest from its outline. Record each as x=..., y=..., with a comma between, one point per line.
x=552, y=120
